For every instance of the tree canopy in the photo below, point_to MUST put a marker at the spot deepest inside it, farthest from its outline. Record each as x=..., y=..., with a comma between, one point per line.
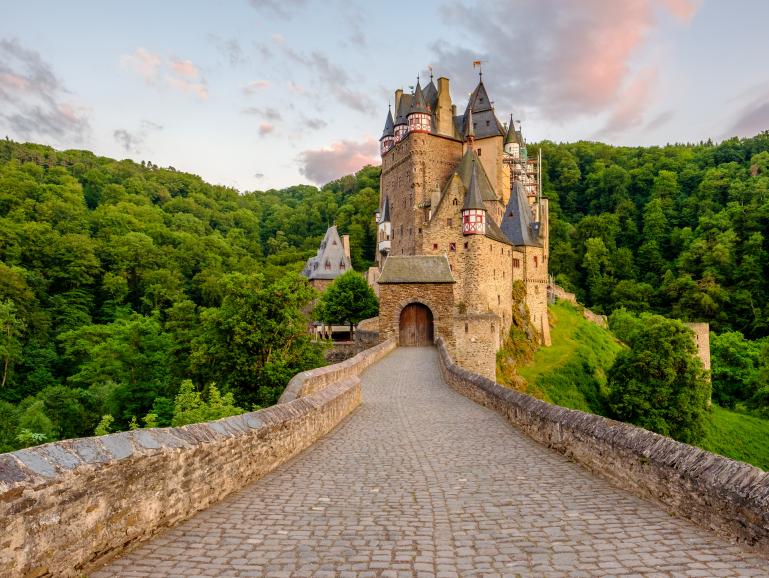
x=349, y=300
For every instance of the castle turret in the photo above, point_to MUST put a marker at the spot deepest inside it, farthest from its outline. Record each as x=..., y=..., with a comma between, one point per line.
x=512, y=146
x=419, y=116
x=387, y=139
x=474, y=211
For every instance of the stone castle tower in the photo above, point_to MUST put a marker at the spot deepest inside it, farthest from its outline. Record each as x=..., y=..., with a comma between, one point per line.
x=461, y=219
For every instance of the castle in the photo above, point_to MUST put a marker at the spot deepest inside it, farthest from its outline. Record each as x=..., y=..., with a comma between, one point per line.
x=461, y=219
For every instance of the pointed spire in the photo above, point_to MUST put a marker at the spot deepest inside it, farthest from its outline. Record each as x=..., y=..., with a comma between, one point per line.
x=469, y=128
x=473, y=198
x=419, y=104
x=389, y=127
x=511, y=137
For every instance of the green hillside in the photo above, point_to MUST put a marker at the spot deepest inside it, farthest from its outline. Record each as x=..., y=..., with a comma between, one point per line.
x=571, y=373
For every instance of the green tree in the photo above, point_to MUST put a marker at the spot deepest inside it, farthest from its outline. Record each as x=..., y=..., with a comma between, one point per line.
x=11, y=329
x=349, y=299
x=659, y=383
x=190, y=407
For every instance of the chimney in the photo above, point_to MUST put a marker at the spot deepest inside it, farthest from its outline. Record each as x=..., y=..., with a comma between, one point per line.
x=444, y=109
x=398, y=94
x=346, y=245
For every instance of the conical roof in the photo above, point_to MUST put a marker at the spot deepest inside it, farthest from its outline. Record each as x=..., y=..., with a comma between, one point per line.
x=465, y=171
x=418, y=104
x=473, y=199
x=386, y=211
x=517, y=224
x=480, y=108
x=469, y=128
x=389, y=127
x=512, y=135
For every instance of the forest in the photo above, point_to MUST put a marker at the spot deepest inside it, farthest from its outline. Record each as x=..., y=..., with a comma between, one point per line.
x=149, y=296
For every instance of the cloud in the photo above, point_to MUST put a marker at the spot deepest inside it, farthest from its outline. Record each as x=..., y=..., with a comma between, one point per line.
x=266, y=112
x=132, y=141
x=34, y=104
x=752, y=118
x=296, y=88
x=339, y=159
x=255, y=86
x=266, y=128
x=631, y=103
x=660, y=120
x=258, y=175
x=579, y=56
x=282, y=8
x=144, y=63
x=180, y=74
x=230, y=48
x=314, y=123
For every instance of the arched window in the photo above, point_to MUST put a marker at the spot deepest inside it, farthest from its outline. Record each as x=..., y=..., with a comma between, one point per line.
x=455, y=202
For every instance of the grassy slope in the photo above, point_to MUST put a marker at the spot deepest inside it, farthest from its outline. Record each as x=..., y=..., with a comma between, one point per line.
x=571, y=373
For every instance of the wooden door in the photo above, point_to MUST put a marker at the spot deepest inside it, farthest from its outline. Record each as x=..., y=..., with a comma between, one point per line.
x=416, y=325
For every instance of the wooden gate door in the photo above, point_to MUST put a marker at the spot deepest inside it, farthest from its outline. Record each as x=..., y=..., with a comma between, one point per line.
x=416, y=325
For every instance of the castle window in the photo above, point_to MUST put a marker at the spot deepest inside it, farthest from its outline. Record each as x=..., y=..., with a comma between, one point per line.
x=488, y=123
x=494, y=272
x=435, y=246
x=453, y=247
x=333, y=242
x=455, y=202
x=419, y=230
x=516, y=263
x=479, y=152
x=448, y=222
x=492, y=329
x=465, y=245
x=341, y=265
x=466, y=328
x=327, y=265
x=401, y=229
x=536, y=261
x=499, y=300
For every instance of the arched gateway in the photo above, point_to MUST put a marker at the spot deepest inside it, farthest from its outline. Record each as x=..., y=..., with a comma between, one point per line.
x=416, y=325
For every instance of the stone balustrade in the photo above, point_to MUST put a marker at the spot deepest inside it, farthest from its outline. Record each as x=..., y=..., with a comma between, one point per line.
x=720, y=494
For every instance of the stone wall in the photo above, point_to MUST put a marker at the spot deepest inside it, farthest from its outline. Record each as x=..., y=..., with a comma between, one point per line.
x=702, y=341
x=717, y=493
x=67, y=507
x=313, y=380
x=367, y=333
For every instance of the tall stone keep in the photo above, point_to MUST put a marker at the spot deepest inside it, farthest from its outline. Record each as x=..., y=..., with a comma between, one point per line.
x=462, y=188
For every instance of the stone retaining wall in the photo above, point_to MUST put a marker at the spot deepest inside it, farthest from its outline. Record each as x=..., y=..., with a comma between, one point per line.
x=717, y=493
x=69, y=506
x=308, y=382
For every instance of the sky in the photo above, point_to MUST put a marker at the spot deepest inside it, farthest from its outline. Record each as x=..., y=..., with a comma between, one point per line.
x=259, y=94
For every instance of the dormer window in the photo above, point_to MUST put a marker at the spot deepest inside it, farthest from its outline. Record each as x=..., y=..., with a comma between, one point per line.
x=333, y=242
x=342, y=265
x=327, y=265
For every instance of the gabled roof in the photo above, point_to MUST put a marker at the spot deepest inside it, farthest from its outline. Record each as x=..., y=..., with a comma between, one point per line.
x=465, y=170
x=484, y=119
x=416, y=269
x=331, y=251
x=473, y=198
x=389, y=127
x=517, y=224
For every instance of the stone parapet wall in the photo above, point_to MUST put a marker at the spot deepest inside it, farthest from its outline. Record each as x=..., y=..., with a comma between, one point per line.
x=308, y=382
x=367, y=333
x=67, y=507
x=717, y=493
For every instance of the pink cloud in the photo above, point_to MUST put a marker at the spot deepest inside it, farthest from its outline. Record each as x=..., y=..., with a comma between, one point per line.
x=580, y=57
x=184, y=68
x=339, y=159
x=632, y=102
x=180, y=74
x=11, y=80
x=256, y=85
x=144, y=63
x=266, y=128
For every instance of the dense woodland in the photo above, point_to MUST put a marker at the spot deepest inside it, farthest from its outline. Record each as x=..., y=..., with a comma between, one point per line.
x=122, y=282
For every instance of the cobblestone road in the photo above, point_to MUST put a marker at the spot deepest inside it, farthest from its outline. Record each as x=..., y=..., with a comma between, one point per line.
x=420, y=481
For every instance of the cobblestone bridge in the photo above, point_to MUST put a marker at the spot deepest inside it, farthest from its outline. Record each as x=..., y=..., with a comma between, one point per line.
x=420, y=481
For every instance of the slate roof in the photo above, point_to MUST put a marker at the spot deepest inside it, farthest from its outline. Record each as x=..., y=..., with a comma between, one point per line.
x=465, y=170
x=416, y=269
x=482, y=113
x=473, y=198
x=512, y=136
x=332, y=251
x=418, y=103
x=517, y=224
x=403, y=109
x=431, y=95
x=389, y=127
